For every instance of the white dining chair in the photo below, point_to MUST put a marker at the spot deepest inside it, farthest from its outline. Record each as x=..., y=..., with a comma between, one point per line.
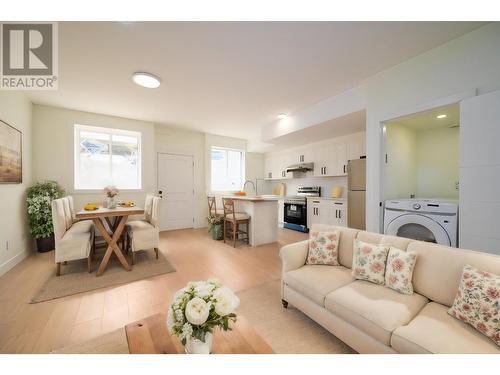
x=145, y=234
x=74, y=239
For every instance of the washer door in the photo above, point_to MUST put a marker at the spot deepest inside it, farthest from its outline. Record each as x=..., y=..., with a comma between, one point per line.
x=418, y=227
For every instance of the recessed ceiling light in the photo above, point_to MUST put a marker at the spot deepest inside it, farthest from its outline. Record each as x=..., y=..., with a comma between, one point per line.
x=281, y=116
x=146, y=80
x=441, y=116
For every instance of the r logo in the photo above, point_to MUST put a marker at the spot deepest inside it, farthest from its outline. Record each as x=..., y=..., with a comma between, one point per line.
x=27, y=49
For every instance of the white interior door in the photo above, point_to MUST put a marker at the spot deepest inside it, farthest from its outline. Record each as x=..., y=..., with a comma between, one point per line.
x=176, y=187
x=479, y=208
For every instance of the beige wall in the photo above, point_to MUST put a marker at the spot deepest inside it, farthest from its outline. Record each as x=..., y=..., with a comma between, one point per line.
x=438, y=162
x=53, y=137
x=16, y=110
x=53, y=153
x=400, y=169
x=423, y=162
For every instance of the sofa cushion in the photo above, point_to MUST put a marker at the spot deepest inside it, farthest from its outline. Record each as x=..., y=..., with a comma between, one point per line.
x=323, y=248
x=478, y=302
x=399, y=242
x=374, y=309
x=434, y=331
x=442, y=265
x=316, y=281
x=399, y=270
x=347, y=236
x=368, y=262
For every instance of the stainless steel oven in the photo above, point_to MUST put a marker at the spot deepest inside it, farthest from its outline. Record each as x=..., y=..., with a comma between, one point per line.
x=295, y=208
x=295, y=214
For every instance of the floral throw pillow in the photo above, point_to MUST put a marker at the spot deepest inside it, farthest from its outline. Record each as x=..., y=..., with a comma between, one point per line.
x=368, y=262
x=399, y=270
x=323, y=248
x=478, y=302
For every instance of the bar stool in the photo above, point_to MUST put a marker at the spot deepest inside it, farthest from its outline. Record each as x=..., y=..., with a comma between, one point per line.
x=232, y=222
x=212, y=207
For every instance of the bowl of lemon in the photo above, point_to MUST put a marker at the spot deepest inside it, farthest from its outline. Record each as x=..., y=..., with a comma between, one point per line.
x=90, y=207
x=127, y=204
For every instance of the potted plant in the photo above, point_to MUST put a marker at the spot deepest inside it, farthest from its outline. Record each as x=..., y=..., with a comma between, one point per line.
x=39, y=198
x=197, y=310
x=216, y=226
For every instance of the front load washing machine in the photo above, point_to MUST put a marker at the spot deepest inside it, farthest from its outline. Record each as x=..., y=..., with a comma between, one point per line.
x=430, y=220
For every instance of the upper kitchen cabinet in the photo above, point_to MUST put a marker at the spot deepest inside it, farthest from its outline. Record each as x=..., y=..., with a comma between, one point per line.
x=356, y=146
x=330, y=157
x=305, y=154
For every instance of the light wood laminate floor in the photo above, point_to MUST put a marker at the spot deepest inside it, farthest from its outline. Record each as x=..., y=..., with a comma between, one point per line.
x=43, y=327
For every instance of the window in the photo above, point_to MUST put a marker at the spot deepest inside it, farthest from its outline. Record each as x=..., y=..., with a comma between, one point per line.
x=228, y=169
x=106, y=156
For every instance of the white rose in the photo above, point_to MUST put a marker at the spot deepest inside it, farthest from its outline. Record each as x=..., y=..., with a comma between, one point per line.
x=203, y=289
x=225, y=301
x=197, y=311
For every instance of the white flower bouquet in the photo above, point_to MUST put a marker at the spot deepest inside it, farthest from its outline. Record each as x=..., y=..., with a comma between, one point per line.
x=200, y=307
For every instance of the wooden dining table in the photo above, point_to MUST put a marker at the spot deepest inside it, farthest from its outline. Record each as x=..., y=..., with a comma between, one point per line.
x=120, y=215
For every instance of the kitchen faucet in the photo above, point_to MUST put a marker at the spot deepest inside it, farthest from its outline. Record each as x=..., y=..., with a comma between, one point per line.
x=253, y=184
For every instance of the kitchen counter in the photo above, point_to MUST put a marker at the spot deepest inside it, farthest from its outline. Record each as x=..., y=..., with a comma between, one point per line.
x=263, y=212
x=257, y=198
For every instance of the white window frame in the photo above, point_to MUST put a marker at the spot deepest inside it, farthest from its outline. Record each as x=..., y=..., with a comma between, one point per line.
x=243, y=171
x=111, y=131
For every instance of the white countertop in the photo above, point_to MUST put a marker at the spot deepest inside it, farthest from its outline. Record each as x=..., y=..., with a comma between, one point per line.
x=328, y=198
x=250, y=198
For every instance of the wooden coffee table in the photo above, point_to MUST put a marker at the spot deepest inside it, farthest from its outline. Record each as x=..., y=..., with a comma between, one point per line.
x=150, y=336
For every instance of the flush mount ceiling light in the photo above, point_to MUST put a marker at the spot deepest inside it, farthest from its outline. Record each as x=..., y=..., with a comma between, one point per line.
x=441, y=116
x=281, y=116
x=146, y=80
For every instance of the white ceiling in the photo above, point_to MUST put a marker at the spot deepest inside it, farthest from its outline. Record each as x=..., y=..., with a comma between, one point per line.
x=428, y=120
x=227, y=78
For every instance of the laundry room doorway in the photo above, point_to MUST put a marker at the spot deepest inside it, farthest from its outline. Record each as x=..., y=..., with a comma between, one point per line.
x=422, y=155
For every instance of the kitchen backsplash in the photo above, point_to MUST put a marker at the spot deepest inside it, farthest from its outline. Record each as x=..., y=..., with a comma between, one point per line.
x=326, y=184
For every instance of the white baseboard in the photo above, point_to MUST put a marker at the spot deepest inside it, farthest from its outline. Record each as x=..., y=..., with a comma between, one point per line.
x=12, y=262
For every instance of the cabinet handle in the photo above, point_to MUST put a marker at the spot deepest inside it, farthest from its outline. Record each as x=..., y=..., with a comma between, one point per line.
x=344, y=168
x=340, y=214
x=325, y=169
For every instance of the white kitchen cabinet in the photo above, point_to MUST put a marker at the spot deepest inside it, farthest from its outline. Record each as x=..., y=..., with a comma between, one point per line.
x=326, y=211
x=330, y=157
x=337, y=213
x=356, y=147
x=316, y=212
x=281, y=212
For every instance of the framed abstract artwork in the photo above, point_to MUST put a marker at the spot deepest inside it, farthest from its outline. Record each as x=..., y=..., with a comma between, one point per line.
x=11, y=154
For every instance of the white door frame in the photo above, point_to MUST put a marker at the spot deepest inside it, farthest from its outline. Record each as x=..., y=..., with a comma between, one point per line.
x=423, y=107
x=158, y=171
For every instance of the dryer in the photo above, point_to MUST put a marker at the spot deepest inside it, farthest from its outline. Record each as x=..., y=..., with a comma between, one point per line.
x=430, y=220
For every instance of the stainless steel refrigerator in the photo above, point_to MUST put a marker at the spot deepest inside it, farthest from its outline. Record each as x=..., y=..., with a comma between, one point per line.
x=356, y=191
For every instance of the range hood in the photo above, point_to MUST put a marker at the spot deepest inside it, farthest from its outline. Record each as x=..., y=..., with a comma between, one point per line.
x=302, y=167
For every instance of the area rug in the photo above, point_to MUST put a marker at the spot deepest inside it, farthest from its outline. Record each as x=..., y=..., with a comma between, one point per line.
x=76, y=279
x=287, y=331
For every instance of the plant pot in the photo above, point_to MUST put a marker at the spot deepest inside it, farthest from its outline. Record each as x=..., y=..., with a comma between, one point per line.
x=45, y=244
x=217, y=231
x=195, y=346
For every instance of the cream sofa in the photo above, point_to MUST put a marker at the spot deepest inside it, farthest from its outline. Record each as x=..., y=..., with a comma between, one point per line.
x=375, y=319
